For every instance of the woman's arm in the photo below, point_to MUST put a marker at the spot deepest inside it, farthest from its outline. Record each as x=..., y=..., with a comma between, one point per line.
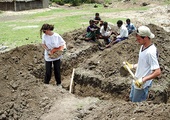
x=56, y=49
x=45, y=47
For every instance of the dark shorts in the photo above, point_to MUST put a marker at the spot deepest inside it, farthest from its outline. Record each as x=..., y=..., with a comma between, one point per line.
x=92, y=34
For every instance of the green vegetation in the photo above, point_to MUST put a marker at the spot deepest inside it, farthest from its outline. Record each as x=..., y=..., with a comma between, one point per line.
x=24, y=29
x=78, y=2
x=73, y=2
x=167, y=1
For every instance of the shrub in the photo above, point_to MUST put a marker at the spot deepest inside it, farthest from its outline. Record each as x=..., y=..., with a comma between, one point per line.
x=75, y=2
x=60, y=2
x=78, y=2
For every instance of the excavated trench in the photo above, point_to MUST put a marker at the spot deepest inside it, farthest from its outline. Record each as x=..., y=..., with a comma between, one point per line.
x=97, y=72
x=94, y=75
x=87, y=83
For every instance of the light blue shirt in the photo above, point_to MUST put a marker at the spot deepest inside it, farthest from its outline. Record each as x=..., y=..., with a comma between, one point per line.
x=130, y=28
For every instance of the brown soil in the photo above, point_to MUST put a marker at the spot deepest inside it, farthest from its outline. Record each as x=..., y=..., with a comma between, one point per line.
x=100, y=91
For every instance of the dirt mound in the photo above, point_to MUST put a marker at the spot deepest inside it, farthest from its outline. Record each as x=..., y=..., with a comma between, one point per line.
x=23, y=95
x=102, y=70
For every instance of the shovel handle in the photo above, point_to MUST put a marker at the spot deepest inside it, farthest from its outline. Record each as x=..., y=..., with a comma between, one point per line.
x=129, y=69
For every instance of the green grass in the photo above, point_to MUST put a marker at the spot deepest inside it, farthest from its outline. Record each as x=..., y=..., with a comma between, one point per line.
x=25, y=29
x=167, y=2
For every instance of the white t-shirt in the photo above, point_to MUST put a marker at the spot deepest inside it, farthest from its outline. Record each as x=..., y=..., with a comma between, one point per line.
x=123, y=32
x=107, y=32
x=53, y=41
x=147, y=62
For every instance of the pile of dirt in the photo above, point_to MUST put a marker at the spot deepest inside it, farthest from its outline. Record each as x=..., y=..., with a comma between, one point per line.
x=24, y=96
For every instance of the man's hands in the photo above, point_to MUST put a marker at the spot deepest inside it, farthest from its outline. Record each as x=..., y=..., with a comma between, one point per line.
x=129, y=65
x=139, y=83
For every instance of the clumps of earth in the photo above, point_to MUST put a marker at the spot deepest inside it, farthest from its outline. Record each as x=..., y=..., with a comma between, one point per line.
x=99, y=91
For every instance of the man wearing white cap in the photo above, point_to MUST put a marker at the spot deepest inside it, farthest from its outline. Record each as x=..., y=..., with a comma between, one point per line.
x=147, y=67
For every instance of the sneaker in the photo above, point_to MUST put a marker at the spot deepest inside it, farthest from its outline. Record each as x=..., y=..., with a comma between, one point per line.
x=59, y=86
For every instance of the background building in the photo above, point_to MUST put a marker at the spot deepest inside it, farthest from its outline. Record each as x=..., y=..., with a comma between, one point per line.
x=18, y=5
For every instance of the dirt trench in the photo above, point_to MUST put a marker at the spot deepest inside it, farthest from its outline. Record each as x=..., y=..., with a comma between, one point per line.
x=93, y=73
x=99, y=76
x=24, y=96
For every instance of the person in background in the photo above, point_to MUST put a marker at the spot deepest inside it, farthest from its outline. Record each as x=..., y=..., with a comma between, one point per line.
x=131, y=28
x=92, y=32
x=106, y=32
x=97, y=20
x=147, y=67
x=51, y=42
x=119, y=37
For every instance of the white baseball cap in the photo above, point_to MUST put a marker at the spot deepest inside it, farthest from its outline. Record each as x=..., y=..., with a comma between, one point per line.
x=145, y=31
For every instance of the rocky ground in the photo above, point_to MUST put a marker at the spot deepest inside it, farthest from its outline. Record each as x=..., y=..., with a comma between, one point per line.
x=99, y=92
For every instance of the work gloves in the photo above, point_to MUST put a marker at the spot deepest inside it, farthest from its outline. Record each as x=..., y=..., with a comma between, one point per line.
x=129, y=65
x=138, y=83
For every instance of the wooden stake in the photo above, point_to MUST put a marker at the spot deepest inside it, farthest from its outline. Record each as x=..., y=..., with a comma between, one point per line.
x=71, y=82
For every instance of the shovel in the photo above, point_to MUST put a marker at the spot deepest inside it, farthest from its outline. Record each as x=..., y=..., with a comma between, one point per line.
x=129, y=70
